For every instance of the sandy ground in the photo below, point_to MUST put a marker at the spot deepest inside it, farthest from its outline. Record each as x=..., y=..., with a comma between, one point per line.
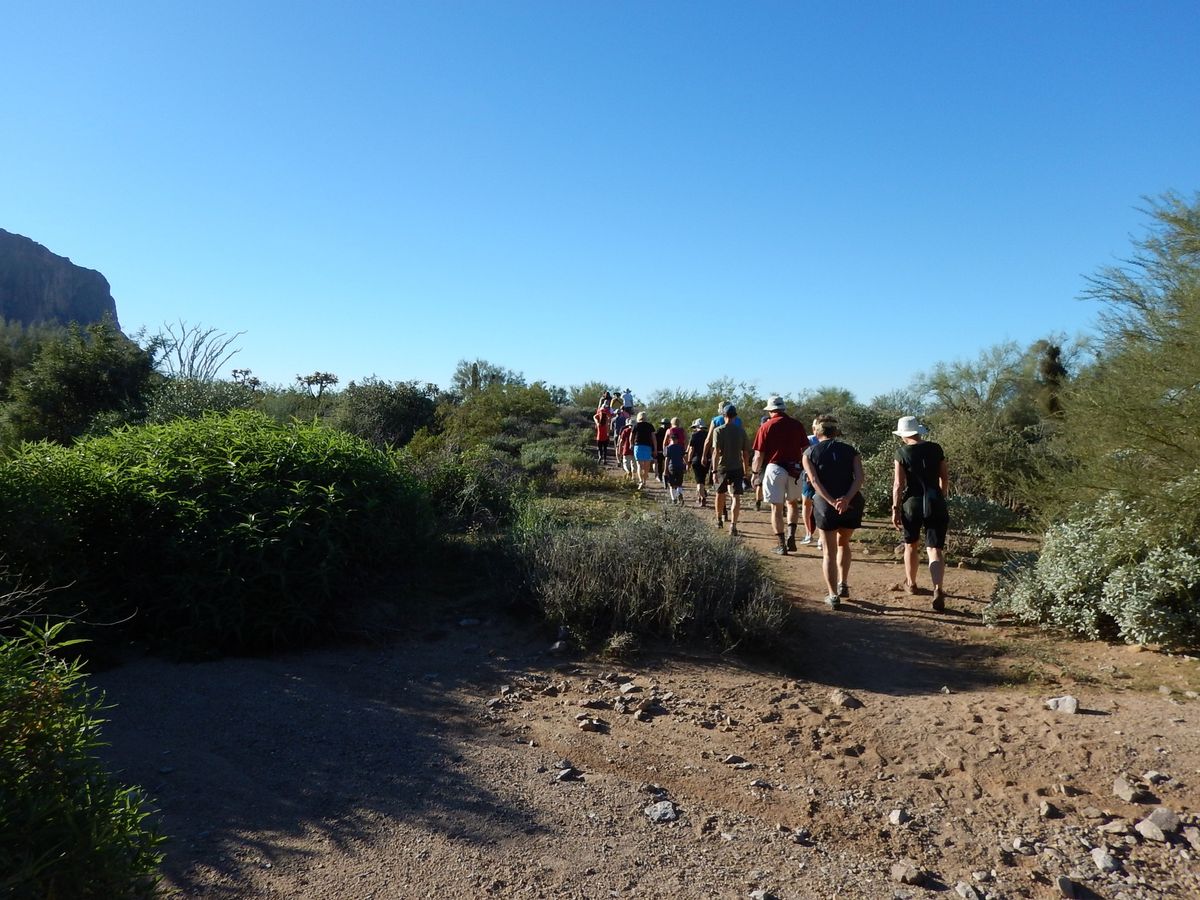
x=430, y=767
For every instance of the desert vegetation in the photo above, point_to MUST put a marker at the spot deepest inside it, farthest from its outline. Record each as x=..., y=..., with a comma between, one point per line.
x=158, y=502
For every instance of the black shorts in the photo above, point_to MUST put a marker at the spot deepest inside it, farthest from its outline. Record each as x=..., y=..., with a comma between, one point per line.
x=829, y=519
x=733, y=480
x=674, y=474
x=912, y=518
x=700, y=472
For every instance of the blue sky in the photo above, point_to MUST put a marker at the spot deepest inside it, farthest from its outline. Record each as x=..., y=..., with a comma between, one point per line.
x=651, y=194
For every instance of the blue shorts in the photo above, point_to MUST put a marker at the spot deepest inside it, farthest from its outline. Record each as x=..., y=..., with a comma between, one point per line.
x=643, y=452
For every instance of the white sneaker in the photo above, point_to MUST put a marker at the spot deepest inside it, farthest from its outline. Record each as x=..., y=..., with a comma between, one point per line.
x=807, y=542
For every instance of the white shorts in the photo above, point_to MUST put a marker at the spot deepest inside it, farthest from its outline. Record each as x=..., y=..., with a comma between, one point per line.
x=779, y=486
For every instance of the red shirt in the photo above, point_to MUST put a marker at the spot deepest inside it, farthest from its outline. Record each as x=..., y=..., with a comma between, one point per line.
x=601, y=417
x=781, y=440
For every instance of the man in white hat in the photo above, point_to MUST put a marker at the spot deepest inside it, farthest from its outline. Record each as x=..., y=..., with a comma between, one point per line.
x=777, y=465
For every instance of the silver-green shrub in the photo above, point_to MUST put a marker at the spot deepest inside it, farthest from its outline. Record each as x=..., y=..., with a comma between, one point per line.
x=1110, y=571
x=653, y=576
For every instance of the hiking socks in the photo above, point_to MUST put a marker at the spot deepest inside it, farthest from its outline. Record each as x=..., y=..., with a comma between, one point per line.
x=791, y=531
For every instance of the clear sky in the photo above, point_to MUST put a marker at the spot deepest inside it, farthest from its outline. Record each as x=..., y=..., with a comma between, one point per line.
x=650, y=194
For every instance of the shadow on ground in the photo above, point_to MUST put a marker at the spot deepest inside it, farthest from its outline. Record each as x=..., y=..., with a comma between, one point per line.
x=305, y=752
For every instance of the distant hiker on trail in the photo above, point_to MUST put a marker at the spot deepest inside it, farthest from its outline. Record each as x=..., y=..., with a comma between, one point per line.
x=731, y=458
x=643, y=448
x=625, y=449
x=777, y=466
x=696, y=459
x=627, y=399
x=806, y=490
x=835, y=471
x=602, y=419
x=674, y=451
x=717, y=421
x=660, y=437
x=919, y=490
x=619, y=418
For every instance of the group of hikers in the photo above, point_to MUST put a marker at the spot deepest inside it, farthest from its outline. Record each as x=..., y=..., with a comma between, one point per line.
x=811, y=480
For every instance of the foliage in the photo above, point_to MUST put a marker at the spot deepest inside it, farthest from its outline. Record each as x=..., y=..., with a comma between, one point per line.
x=587, y=395
x=471, y=376
x=499, y=409
x=241, y=533
x=67, y=829
x=192, y=352
x=1108, y=572
x=74, y=377
x=19, y=345
x=652, y=576
x=189, y=398
x=385, y=413
x=472, y=490
x=1129, y=419
x=316, y=383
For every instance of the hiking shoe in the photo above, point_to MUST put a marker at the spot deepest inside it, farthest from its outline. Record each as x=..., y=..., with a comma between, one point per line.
x=791, y=543
x=807, y=542
x=939, y=599
x=733, y=532
x=757, y=505
x=720, y=522
x=843, y=589
x=832, y=601
x=910, y=588
x=820, y=546
x=780, y=550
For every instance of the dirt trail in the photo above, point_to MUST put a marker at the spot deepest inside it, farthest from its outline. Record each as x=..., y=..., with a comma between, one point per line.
x=429, y=767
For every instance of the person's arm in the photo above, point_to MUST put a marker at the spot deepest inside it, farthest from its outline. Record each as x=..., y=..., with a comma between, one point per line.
x=756, y=467
x=843, y=502
x=944, y=478
x=899, y=482
x=745, y=452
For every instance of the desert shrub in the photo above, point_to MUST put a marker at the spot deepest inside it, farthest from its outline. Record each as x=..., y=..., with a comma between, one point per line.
x=385, y=413
x=67, y=829
x=676, y=579
x=218, y=533
x=474, y=489
x=191, y=398
x=538, y=459
x=878, y=472
x=1110, y=571
x=973, y=511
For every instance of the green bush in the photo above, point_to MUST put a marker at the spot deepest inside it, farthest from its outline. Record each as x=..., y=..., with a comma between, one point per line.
x=67, y=829
x=190, y=398
x=476, y=489
x=1108, y=572
x=651, y=576
x=385, y=413
x=218, y=533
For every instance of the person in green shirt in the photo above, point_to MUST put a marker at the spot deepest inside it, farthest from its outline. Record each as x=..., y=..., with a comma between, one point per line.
x=731, y=459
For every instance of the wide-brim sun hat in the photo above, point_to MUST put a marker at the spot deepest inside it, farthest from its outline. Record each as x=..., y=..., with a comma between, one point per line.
x=909, y=426
x=775, y=404
x=699, y=423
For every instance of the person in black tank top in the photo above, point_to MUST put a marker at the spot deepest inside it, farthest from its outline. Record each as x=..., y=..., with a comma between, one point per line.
x=919, y=490
x=835, y=471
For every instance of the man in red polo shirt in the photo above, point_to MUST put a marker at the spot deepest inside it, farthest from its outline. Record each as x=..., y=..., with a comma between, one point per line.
x=778, y=464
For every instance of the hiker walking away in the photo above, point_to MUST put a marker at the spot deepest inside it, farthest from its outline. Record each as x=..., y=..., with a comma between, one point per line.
x=717, y=421
x=625, y=449
x=627, y=400
x=643, y=448
x=731, y=459
x=602, y=418
x=674, y=451
x=660, y=438
x=777, y=467
x=807, y=492
x=698, y=461
x=919, y=490
x=619, y=418
x=836, y=473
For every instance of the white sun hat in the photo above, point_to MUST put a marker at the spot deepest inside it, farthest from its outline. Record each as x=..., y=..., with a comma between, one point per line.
x=909, y=426
x=775, y=404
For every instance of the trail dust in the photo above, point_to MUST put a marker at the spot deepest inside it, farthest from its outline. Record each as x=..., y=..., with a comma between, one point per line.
x=434, y=765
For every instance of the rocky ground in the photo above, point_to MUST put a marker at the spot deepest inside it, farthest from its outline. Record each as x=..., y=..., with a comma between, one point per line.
x=897, y=753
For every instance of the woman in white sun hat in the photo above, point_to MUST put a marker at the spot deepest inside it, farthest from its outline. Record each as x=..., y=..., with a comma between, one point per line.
x=919, y=490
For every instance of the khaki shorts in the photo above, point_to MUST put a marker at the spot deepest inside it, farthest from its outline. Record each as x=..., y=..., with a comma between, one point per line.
x=779, y=486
